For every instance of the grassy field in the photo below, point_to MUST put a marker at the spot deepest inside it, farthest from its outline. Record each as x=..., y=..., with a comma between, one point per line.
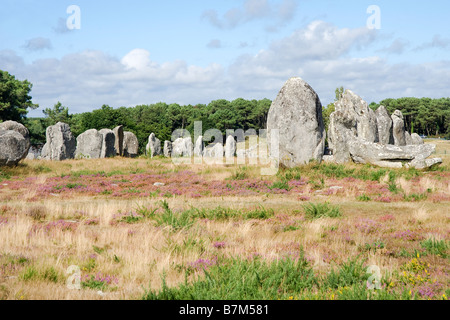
x=148, y=229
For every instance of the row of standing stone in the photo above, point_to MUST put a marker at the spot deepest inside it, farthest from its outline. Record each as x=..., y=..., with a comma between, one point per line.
x=91, y=144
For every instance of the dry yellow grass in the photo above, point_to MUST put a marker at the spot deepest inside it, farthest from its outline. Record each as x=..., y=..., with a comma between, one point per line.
x=138, y=254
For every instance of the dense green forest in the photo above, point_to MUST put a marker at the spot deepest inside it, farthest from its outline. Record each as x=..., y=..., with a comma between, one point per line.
x=422, y=115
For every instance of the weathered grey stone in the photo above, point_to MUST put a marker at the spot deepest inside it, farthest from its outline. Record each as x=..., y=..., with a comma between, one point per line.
x=358, y=109
x=351, y=119
x=89, y=145
x=34, y=153
x=167, y=149
x=384, y=125
x=422, y=163
x=328, y=158
x=199, y=147
x=60, y=144
x=408, y=139
x=130, y=145
x=153, y=147
x=297, y=115
x=416, y=139
x=118, y=144
x=108, y=144
x=16, y=126
x=182, y=147
x=214, y=150
x=230, y=147
x=13, y=147
x=398, y=128
x=392, y=156
x=341, y=130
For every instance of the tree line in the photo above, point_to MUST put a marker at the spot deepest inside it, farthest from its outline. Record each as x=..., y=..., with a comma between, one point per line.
x=422, y=115
x=160, y=118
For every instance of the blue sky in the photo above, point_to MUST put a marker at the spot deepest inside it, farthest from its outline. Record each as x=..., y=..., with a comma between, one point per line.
x=188, y=52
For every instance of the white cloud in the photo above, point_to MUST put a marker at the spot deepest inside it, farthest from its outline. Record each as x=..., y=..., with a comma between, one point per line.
x=254, y=10
x=320, y=53
x=437, y=42
x=137, y=59
x=38, y=44
x=398, y=46
x=214, y=44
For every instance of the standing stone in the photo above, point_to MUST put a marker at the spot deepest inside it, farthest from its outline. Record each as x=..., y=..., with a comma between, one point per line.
x=167, y=149
x=297, y=115
x=416, y=139
x=89, y=145
x=13, y=147
x=182, y=147
x=15, y=126
x=384, y=124
x=108, y=145
x=153, y=147
x=408, y=139
x=398, y=128
x=214, y=151
x=130, y=145
x=230, y=147
x=341, y=130
x=60, y=144
x=199, y=147
x=118, y=144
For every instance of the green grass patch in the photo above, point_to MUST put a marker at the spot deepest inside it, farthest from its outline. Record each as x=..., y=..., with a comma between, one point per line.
x=239, y=279
x=319, y=210
x=240, y=174
x=363, y=197
x=436, y=247
x=282, y=185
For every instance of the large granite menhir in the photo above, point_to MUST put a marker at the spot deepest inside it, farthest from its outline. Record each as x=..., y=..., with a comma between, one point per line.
x=297, y=115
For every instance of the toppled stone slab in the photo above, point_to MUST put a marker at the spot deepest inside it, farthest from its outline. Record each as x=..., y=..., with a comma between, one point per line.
x=390, y=156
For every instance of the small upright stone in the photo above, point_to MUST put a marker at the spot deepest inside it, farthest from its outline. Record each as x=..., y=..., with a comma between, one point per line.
x=167, y=149
x=89, y=145
x=384, y=123
x=153, y=147
x=398, y=128
x=61, y=144
x=118, y=144
x=230, y=147
x=182, y=147
x=130, y=145
x=416, y=139
x=108, y=145
x=408, y=139
x=199, y=147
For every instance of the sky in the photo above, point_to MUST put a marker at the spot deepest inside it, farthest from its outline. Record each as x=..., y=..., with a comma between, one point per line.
x=125, y=53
